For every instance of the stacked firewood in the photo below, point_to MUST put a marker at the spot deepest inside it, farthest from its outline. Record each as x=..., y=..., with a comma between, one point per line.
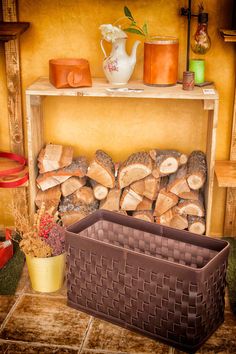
x=162, y=186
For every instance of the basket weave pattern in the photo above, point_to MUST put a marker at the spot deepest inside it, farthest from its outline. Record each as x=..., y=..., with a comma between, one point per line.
x=108, y=277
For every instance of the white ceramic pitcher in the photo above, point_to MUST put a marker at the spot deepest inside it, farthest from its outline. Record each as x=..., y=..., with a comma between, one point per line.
x=119, y=66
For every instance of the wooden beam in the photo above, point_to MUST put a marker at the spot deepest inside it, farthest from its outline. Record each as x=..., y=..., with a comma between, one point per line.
x=15, y=116
x=11, y=30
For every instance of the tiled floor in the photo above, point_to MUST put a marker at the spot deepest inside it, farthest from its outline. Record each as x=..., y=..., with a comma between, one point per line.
x=38, y=323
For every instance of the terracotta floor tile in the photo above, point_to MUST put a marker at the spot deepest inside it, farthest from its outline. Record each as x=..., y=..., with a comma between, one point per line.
x=20, y=348
x=224, y=339
x=46, y=320
x=6, y=303
x=105, y=336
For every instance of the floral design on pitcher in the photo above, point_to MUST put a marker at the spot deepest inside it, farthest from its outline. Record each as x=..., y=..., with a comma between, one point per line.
x=111, y=65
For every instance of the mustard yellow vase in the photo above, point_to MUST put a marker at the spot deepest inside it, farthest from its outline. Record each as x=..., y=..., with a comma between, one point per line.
x=46, y=274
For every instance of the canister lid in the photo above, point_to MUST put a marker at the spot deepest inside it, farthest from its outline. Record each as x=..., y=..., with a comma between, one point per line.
x=163, y=40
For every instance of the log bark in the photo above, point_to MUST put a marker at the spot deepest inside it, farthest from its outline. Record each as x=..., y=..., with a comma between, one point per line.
x=147, y=187
x=166, y=161
x=102, y=169
x=196, y=224
x=50, y=198
x=71, y=185
x=165, y=201
x=71, y=203
x=100, y=192
x=53, y=157
x=145, y=204
x=191, y=207
x=197, y=170
x=136, y=167
x=143, y=215
x=129, y=200
x=112, y=201
x=178, y=182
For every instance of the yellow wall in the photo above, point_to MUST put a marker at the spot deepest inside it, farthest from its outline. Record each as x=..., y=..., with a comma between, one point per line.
x=70, y=29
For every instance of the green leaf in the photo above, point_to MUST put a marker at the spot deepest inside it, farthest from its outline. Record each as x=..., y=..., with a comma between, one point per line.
x=145, y=29
x=128, y=13
x=134, y=30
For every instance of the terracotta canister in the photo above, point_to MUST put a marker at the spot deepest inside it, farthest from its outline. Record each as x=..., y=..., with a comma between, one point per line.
x=161, y=61
x=69, y=73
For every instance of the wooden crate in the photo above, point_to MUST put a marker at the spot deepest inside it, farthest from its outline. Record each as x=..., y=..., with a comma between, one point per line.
x=42, y=88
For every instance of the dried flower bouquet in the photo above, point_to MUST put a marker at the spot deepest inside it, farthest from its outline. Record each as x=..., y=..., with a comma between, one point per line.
x=45, y=238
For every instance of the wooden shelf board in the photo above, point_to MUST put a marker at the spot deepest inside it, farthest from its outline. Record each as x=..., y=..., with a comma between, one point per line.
x=42, y=87
x=228, y=35
x=10, y=30
x=226, y=173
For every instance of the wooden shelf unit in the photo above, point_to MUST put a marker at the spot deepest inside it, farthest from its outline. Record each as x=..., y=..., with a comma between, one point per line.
x=42, y=88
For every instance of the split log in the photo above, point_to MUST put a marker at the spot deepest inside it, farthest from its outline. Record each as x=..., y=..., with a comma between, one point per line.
x=166, y=161
x=112, y=201
x=50, y=198
x=85, y=195
x=197, y=170
x=177, y=181
x=191, y=207
x=70, y=217
x=46, y=183
x=129, y=200
x=136, y=167
x=53, y=157
x=173, y=219
x=145, y=204
x=78, y=168
x=147, y=187
x=179, y=222
x=143, y=215
x=71, y=185
x=191, y=195
x=196, y=224
x=165, y=218
x=102, y=169
x=100, y=192
x=165, y=201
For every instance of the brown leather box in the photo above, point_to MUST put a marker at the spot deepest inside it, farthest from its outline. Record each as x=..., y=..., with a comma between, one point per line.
x=69, y=73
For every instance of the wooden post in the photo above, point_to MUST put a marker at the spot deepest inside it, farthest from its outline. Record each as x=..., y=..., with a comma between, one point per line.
x=12, y=55
x=230, y=208
x=15, y=116
x=210, y=153
x=34, y=122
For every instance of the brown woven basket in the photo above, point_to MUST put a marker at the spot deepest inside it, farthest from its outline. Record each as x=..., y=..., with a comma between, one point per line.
x=161, y=282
